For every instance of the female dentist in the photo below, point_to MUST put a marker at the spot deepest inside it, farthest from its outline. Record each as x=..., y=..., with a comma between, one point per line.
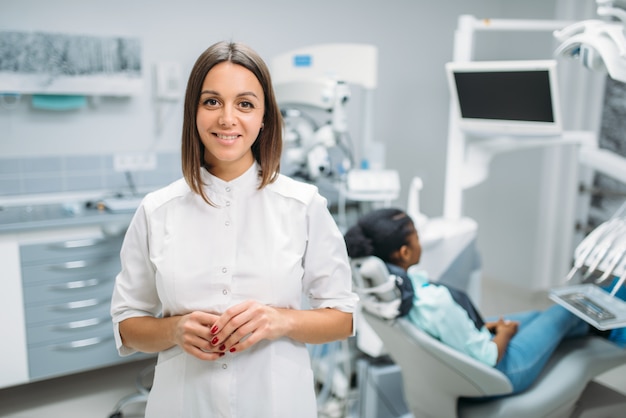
x=216, y=264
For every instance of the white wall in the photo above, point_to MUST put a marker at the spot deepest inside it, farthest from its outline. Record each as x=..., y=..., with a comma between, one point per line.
x=527, y=208
x=414, y=38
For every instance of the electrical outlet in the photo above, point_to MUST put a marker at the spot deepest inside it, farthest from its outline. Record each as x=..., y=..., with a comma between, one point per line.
x=168, y=81
x=135, y=161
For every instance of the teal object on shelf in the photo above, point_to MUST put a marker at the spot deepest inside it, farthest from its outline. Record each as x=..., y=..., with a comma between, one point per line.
x=58, y=102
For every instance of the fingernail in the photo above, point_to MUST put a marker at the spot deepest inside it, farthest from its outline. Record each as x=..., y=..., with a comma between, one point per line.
x=214, y=329
x=214, y=341
x=232, y=350
x=222, y=347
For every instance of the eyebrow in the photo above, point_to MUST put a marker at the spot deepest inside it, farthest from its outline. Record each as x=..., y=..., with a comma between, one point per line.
x=245, y=93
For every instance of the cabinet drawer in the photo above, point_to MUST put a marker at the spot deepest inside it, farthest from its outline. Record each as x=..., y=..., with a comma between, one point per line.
x=55, y=312
x=77, y=355
x=99, y=285
x=99, y=324
x=72, y=270
x=57, y=359
x=70, y=249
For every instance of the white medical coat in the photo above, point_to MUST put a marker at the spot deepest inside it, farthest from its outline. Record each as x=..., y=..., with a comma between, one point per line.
x=272, y=245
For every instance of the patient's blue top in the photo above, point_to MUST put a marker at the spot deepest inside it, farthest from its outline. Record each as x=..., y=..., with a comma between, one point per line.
x=435, y=312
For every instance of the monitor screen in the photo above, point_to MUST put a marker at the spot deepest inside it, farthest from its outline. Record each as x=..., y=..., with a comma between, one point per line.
x=505, y=97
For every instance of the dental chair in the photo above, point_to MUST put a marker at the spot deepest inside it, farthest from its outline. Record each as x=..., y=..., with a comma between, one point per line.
x=439, y=381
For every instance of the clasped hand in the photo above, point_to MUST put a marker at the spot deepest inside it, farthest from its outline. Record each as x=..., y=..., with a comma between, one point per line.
x=503, y=326
x=208, y=336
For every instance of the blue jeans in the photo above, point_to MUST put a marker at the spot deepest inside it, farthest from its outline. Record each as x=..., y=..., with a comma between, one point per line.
x=539, y=334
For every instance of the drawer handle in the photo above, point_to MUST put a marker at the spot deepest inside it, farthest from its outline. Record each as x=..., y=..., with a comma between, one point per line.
x=79, y=264
x=85, y=323
x=79, y=243
x=79, y=284
x=79, y=304
x=88, y=342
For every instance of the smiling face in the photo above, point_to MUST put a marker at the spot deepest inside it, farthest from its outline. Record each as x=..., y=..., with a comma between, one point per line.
x=229, y=119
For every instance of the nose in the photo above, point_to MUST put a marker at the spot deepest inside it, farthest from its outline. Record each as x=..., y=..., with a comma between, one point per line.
x=227, y=118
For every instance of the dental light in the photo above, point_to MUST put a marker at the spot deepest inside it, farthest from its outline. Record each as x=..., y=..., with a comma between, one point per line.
x=313, y=86
x=306, y=153
x=598, y=44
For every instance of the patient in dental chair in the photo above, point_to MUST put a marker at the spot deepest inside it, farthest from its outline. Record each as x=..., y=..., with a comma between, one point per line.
x=519, y=345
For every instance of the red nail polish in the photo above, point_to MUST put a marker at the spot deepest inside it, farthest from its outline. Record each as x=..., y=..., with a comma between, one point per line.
x=232, y=350
x=214, y=341
x=214, y=329
x=222, y=347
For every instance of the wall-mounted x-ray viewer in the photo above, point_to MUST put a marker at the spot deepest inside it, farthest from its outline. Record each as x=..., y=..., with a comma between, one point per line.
x=516, y=98
x=77, y=65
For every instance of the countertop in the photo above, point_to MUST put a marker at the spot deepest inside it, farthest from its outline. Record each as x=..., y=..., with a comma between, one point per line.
x=58, y=215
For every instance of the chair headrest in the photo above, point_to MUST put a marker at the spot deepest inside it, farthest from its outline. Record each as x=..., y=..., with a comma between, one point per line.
x=376, y=287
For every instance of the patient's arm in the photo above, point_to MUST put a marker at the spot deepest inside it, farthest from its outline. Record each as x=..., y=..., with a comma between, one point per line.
x=491, y=326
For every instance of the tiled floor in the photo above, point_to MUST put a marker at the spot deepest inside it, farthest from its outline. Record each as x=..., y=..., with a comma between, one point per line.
x=94, y=394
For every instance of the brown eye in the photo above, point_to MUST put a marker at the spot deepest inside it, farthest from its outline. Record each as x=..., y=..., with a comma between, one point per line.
x=210, y=102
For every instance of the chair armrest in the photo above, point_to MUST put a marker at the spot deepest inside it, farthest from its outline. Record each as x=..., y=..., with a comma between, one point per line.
x=574, y=364
x=418, y=353
x=485, y=378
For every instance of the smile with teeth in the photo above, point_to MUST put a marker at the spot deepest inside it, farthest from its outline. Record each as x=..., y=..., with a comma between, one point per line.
x=227, y=137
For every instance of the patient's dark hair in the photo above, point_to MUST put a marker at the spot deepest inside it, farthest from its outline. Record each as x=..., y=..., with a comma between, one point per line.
x=379, y=233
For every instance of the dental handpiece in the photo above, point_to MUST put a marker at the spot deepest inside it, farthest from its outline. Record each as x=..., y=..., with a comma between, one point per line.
x=615, y=256
x=622, y=278
x=619, y=283
x=579, y=262
x=601, y=253
x=588, y=244
x=619, y=256
x=604, y=246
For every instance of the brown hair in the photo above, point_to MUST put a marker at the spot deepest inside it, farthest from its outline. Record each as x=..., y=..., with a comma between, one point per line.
x=268, y=146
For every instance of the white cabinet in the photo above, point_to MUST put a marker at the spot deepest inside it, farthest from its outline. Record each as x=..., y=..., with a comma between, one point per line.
x=56, y=292
x=13, y=351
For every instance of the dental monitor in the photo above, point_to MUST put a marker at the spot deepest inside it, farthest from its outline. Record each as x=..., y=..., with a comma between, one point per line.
x=516, y=98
